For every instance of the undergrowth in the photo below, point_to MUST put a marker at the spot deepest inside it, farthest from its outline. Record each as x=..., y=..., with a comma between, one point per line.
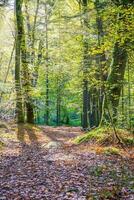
x=111, y=151
x=105, y=136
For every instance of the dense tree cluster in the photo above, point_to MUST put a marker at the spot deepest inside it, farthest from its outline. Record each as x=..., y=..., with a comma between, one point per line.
x=67, y=62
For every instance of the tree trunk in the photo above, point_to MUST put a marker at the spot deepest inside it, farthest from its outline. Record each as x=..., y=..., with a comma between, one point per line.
x=116, y=77
x=58, y=103
x=118, y=67
x=47, y=68
x=85, y=123
x=115, y=80
x=58, y=110
x=85, y=104
x=19, y=100
x=26, y=74
x=100, y=60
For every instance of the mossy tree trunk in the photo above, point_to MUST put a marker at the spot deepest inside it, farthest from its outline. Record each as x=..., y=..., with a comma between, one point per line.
x=116, y=77
x=26, y=79
x=118, y=67
x=25, y=71
x=19, y=100
x=101, y=60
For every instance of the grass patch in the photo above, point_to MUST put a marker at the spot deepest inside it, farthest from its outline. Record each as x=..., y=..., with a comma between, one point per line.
x=1, y=145
x=105, y=136
x=7, y=135
x=111, y=151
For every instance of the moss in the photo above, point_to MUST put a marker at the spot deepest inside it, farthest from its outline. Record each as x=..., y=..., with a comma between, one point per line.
x=111, y=151
x=105, y=136
x=96, y=135
x=92, y=135
x=129, y=141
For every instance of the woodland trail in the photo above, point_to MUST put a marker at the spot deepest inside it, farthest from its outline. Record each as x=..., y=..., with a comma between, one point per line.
x=41, y=163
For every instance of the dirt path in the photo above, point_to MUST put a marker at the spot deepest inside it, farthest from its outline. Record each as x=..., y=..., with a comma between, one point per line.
x=42, y=164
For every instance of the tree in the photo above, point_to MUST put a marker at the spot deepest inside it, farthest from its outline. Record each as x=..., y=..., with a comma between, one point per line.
x=119, y=63
x=85, y=21
x=73, y=62
x=18, y=85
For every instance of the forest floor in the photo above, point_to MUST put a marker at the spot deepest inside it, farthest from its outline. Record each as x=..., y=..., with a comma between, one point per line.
x=43, y=163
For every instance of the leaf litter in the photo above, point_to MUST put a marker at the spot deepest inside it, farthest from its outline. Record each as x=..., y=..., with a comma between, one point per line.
x=48, y=167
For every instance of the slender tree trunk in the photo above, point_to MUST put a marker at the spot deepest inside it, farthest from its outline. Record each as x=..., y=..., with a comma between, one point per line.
x=58, y=105
x=122, y=106
x=8, y=69
x=100, y=60
x=33, y=32
x=19, y=100
x=129, y=99
x=26, y=74
x=85, y=115
x=85, y=104
x=58, y=111
x=47, y=68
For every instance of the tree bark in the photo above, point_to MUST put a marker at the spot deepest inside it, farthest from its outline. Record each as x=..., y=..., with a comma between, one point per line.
x=25, y=73
x=18, y=86
x=47, y=68
x=118, y=67
x=85, y=122
x=116, y=77
x=58, y=106
x=100, y=60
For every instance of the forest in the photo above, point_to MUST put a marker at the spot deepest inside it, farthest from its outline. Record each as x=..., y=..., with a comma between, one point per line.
x=66, y=99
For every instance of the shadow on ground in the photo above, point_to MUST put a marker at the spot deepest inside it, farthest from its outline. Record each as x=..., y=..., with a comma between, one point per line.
x=29, y=176
x=61, y=134
x=24, y=132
